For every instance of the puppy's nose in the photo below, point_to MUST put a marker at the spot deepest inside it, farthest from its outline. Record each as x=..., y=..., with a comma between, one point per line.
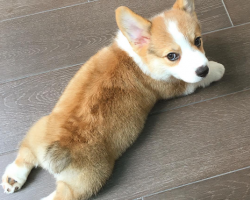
x=202, y=71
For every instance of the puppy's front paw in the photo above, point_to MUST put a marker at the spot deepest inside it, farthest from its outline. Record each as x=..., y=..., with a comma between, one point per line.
x=216, y=71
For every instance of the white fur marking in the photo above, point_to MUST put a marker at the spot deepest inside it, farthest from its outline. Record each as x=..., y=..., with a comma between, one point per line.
x=216, y=72
x=19, y=174
x=159, y=73
x=124, y=44
x=191, y=59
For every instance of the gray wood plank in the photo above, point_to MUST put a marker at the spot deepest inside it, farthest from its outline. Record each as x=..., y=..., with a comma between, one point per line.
x=65, y=37
x=13, y=9
x=39, y=183
x=178, y=147
x=212, y=15
x=239, y=11
x=24, y=101
x=229, y=48
x=231, y=187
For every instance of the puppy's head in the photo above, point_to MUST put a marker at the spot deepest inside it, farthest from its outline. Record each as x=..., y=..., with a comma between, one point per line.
x=169, y=44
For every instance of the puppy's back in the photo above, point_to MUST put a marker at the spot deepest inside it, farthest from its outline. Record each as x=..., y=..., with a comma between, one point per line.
x=103, y=109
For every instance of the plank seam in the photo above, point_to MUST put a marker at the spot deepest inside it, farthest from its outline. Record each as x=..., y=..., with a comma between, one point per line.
x=199, y=181
x=227, y=13
x=45, y=11
x=8, y=152
x=222, y=29
x=197, y=102
x=36, y=74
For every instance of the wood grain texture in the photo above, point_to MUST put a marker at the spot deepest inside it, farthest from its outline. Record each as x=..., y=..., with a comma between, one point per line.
x=177, y=147
x=24, y=101
x=230, y=49
x=234, y=186
x=39, y=183
x=65, y=37
x=239, y=11
x=12, y=9
x=212, y=15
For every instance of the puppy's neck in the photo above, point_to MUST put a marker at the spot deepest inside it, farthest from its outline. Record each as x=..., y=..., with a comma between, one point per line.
x=124, y=44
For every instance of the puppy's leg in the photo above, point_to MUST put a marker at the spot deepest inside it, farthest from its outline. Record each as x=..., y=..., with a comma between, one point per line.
x=17, y=172
x=81, y=182
x=63, y=192
x=50, y=197
x=216, y=72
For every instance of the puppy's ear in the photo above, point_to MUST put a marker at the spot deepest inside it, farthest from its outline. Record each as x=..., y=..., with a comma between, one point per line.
x=134, y=27
x=186, y=5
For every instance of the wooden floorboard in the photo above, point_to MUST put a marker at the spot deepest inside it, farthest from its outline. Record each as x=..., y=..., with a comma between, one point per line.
x=65, y=37
x=239, y=11
x=13, y=9
x=212, y=15
x=24, y=101
x=231, y=49
x=233, y=186
x=178, y=147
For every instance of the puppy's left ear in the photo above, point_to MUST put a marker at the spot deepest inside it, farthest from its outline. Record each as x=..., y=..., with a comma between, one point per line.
x=186, y=5
x=134, y=27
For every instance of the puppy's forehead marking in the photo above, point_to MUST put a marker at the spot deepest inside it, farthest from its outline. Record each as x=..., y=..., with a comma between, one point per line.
x=178, y=37
x=161, y=40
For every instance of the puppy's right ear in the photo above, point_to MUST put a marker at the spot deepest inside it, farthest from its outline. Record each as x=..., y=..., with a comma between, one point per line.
x=186, y=5
x=134, y=27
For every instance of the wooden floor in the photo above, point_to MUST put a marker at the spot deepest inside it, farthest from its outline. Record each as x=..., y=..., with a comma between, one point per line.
x=195, y=147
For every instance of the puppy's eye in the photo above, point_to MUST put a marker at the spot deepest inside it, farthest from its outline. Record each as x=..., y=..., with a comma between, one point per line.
x=197, y=42
x=173, y=56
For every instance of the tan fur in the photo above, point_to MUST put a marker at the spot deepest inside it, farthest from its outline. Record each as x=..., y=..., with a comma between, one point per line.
x=102, y=112
x=98, y=117
x=144, y=24
x=162, y=42
x=186, y=5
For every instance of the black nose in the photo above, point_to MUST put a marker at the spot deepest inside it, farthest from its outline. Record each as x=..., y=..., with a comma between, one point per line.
x=202, y=71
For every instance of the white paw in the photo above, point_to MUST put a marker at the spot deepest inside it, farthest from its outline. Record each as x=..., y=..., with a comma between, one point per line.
x=14, y=178
x=216, y=71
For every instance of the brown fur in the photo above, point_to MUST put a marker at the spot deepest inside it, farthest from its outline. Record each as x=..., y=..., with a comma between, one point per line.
x=162, y=42
x=100, y=114
x=114, y=95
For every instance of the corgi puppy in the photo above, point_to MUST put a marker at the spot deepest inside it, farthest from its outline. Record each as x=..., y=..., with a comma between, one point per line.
x=104, y=107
